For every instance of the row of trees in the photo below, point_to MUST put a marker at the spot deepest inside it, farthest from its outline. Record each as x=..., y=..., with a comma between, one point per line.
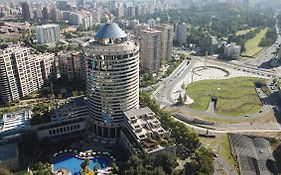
x=270, y=37
x=143, y=164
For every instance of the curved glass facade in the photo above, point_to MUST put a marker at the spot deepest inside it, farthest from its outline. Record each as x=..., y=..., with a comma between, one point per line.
x=112, y=83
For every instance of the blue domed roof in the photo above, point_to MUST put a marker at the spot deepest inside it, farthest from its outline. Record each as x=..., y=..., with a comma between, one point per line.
x=110, y=31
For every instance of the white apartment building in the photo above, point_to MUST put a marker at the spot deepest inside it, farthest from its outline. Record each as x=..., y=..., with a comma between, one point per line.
x=22, y=72
x=47, y=33
x=181, y=33
x=232, y=51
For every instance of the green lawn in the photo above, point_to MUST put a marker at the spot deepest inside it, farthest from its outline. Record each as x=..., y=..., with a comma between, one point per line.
x=236, y=96
x=243, y=32
x=10, y=38
x=252, y=45
x=221, y=146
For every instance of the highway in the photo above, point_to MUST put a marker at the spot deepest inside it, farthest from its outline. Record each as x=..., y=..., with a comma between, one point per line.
x=164, y=92
x=234, y=128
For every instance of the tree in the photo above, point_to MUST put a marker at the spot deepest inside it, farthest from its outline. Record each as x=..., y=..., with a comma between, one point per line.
x=158, y=171
x=5, y=171
x=97, y=166
x=85, y=168
x=85, y=163
x=42, y=169
x=166, y=160
x=183, y=86
x=115, y=169
x=180, y=100
x=202, y=163
x=74, y=93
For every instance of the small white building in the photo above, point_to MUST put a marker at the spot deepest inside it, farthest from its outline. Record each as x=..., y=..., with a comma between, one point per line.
x=12, y=124
x=47, y=33
x=232, y=51
x=151, y=23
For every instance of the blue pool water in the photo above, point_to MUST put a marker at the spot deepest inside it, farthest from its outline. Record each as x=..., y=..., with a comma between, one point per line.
x=71, y=163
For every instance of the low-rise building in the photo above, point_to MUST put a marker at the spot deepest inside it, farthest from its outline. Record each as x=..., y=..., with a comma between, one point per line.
x=14, y=123
x=9, y=155
x=68, y=119
x=48, y=33
x=62, y=128
x=142, y=130
x=232, y=51
x=74, y=108
x=22, y=72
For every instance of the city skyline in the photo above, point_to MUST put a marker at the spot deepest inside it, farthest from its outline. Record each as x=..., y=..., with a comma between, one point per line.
x=162, y=87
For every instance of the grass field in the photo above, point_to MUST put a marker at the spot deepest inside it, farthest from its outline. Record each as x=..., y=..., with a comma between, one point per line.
x=236, y=96
x=10, y=38
x=243, y=32
x=221, y=146
x=252, y=45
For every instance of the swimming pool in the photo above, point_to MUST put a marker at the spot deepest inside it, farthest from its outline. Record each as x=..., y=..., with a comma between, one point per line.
x=71, y=163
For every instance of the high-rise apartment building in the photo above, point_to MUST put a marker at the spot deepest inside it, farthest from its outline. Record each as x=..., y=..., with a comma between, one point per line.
x=166, y=41
x=22, y=72
x=54, y=14
x=151, y=23
x=112, y=80
x=48, y=33
x=150, y=50
x=63, y=5
x=26, y=11
x=181, y=33
x=45, y=14
x=72, y=66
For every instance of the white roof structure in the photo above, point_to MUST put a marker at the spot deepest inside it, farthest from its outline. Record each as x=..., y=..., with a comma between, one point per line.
x=15, y=122
x=142, y=122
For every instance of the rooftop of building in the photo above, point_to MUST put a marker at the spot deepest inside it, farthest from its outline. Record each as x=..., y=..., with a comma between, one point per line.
x=8, y=151
x=253, y=154
x=149, y=30
x=48, y=25
x=110, y=31
x=147, y=130
x=13, y=123
x=139, y=112
x=66, y=110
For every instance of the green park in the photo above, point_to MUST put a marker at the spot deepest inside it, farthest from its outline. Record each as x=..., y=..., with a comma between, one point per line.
x=252, y=45
x=243, y=32
x=236, y=96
